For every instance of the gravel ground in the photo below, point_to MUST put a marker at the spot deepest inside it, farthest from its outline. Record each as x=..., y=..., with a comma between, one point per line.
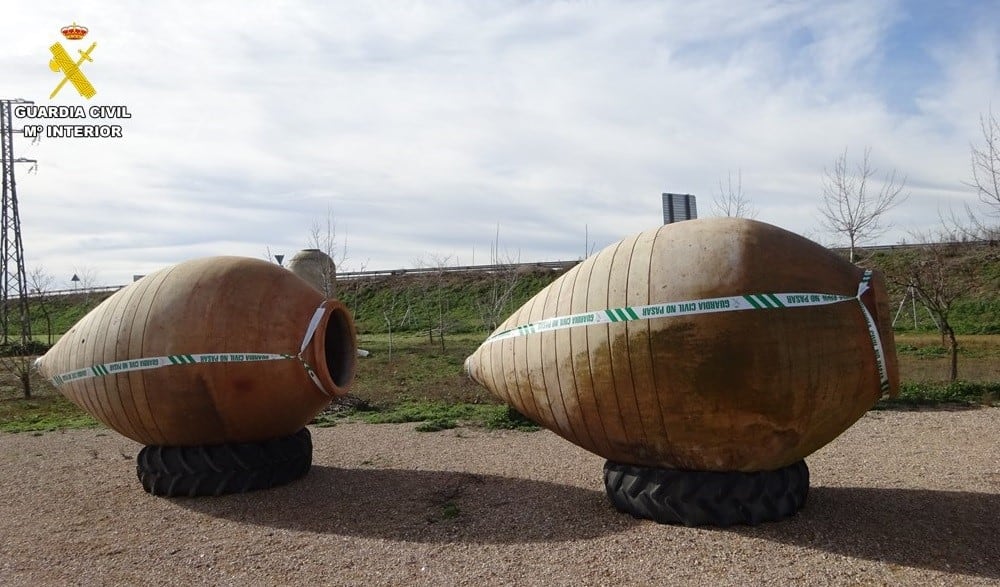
x=900, y=498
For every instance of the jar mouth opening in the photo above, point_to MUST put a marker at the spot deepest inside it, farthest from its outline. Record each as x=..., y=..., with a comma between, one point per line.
x=335, y=349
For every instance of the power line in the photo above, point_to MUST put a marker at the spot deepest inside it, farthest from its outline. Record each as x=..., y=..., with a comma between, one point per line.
x=15, y=283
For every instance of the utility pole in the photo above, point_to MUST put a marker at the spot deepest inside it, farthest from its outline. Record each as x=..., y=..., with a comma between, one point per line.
x=15, y=283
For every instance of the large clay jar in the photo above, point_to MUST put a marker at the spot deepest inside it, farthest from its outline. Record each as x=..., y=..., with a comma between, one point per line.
x=234, y=327
x=751, y=390
x=317, y=268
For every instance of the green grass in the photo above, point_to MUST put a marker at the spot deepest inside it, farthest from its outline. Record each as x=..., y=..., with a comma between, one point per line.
x=436, y=425
x=63, y=313
x=46, y=410
x=433, y=416
x=425, y=411
x=980, y=316
x=958, y=392
x=425, y=295
x=923, y=358
x=509, y=419
x=43, y=414
x=417, y=370
x=921, y=351
x=449, y=511
x=976, y=269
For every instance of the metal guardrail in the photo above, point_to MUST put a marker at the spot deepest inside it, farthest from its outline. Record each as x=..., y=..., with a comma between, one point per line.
x=883, y=248
x=76, y=291
x=550, y=265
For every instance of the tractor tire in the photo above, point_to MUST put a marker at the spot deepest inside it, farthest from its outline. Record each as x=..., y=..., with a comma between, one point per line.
x=706, y=498
x=172, y=471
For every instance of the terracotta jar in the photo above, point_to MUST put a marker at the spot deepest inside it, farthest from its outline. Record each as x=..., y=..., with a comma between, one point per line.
x=214, y=350
x=317, y=268
x=691, y=381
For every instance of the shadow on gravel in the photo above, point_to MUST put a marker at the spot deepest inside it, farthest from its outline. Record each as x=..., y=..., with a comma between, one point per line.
x=947, y=531
x=423, y=506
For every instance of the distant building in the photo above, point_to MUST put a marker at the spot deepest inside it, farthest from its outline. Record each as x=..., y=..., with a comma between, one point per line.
x=678, y=207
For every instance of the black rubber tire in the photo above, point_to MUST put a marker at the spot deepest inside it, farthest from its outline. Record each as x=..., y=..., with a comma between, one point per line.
x=707, y=498
x=219, y=469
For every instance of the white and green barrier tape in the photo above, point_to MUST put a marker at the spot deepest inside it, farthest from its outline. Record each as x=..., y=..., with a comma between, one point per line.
x=132, y=365
x=765, y=301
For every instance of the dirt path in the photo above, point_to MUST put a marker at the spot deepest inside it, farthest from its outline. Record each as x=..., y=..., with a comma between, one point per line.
x=901, y=498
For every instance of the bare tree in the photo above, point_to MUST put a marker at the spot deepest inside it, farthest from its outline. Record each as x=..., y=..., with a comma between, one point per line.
x=942, y=271
x=16, y=360
x=588, y=247
x=933, y=273
x=731, y=201
x=983, y=224
x=358, y=284
x=986, y=163
x=494, y=302
x=425, y=286
x=852, y=206
x=87, y=276
x=973, y=226
x=86, y=280
x=40, y=284
x=323, y=237
x=17, y=352
x=396, y=312
x=439, y=293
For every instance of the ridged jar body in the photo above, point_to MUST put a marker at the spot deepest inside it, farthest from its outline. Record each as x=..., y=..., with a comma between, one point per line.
x=211, y=305
x=731, y=391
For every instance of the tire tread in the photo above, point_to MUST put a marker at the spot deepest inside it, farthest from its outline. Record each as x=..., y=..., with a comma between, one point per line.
x=172, y=471
x=706, y=498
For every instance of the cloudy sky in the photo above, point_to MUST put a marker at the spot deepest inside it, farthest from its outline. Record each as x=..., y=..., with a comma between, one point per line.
x=423, y=126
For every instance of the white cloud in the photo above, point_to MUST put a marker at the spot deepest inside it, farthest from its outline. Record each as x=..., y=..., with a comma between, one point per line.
x=423, y=125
